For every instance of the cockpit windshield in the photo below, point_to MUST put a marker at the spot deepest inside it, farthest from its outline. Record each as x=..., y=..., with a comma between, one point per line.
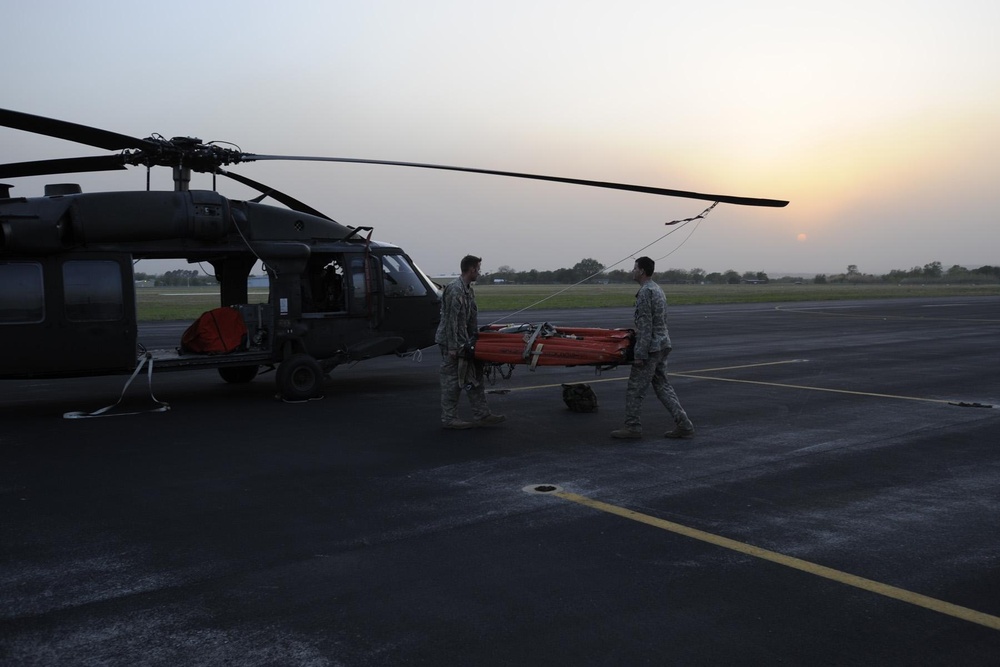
x=402, y=278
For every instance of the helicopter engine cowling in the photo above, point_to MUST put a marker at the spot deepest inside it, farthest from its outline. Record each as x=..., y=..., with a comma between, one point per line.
x=54, y=223
x=33, y=225
x=31, y=235
x=149, y=216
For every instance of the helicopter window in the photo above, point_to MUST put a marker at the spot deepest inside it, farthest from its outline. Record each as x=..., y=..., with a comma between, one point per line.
x=93, y=291
x=22, y=299
x=400, y=277
x=359, y=285
x=323, y=290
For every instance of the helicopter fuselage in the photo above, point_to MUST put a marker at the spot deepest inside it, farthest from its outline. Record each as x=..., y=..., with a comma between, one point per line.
x=68, y=299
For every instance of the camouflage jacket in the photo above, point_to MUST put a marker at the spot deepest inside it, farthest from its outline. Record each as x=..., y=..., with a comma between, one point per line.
x=459, y=316
x=650, y=321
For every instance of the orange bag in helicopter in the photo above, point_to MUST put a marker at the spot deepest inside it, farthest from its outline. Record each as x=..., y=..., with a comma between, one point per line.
x=217, y=331
x=545, y=345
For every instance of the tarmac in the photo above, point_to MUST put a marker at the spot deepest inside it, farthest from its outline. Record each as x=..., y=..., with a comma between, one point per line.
x=837, y=506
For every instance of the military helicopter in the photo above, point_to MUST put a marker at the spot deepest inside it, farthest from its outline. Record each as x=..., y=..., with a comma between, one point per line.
x=67, y=295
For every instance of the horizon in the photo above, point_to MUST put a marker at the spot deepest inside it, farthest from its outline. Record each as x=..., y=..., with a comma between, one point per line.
x=454, y=274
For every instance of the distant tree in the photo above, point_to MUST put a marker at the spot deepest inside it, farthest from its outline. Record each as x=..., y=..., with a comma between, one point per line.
x=731, y=277
x=988, y=271
x=894, y=276
x=619, y=276
x=852, y=270
x=587, y=268
x=957, y=272
x=180, y=277
x=932, y=270
x=530, y=277
x=505, y=273
x=564, y=276
x=675, y=276
x=697, y=275
x=187, y=278
x=820, y=279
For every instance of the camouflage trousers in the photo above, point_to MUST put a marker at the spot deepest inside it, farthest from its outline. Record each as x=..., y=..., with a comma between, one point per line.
x=654, y=372
x=452, y=386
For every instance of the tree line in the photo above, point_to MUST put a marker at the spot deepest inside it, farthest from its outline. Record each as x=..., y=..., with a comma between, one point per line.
x=590, y=270
x=177, y=278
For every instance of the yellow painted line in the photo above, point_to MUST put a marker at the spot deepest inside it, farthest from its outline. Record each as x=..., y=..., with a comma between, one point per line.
x=742, y=366
x=549, y=386
x=903, y=595
x=697, y=375
x=808, y=388
x=707, y=370
x=919, y=318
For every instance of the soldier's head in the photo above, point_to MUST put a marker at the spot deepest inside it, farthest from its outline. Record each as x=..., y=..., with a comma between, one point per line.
x=645, y=266
x=470, y=267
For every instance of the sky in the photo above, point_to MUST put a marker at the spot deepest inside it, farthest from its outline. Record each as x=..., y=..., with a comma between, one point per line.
x=878, y=120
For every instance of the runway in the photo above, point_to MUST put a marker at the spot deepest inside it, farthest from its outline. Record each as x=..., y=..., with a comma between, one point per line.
x=839, y=505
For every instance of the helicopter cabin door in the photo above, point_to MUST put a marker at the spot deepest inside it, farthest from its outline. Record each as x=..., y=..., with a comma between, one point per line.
x=67, y=315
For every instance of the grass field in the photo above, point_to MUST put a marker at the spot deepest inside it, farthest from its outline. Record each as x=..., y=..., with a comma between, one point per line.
x=186, y=303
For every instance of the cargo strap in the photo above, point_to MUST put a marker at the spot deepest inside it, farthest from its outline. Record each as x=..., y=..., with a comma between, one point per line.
x=529, y=346
x=535, y=354
x=530, y=350
x=163, y=407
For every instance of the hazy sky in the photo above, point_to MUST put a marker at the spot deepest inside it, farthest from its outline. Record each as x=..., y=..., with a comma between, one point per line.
x=879, y=120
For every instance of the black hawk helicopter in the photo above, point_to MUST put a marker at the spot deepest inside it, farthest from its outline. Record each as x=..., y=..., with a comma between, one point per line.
x=67, y=295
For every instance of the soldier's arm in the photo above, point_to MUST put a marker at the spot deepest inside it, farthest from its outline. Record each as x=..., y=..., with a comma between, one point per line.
x=643, y=325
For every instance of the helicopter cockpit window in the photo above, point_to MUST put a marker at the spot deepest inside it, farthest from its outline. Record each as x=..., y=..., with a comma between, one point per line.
x=22, y=298
x=400, y=277
x=93, y=291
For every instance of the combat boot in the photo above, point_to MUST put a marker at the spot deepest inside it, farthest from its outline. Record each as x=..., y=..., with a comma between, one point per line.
x=457, y=424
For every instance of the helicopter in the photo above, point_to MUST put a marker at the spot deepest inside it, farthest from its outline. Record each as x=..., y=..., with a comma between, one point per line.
x=67, y=289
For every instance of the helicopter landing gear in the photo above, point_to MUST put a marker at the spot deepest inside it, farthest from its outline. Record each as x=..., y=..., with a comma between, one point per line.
x=299, y=378
x=238, y=374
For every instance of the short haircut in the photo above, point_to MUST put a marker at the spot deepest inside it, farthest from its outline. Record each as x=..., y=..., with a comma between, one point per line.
x=470, y=261
x=647, y=265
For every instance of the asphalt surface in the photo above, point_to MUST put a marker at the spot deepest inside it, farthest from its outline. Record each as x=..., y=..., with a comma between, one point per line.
x=838, y=506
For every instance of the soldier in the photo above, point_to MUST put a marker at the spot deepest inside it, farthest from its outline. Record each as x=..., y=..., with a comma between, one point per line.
x=652, y=345
x=455, y=335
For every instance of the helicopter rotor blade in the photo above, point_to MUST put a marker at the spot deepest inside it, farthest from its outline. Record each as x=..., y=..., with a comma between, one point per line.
x=189, y=153
x=61, y=129
x=71, y=165
x=726, y=199
x=277, y=195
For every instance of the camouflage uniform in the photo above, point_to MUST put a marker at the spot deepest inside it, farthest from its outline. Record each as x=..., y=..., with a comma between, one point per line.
x=459, y=324
x=652, y=345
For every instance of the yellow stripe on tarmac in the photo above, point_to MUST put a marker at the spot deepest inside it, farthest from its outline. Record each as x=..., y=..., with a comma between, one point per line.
x=826, y=311
x=707, y=370
x=697, y=375
x=808, y=388
x=886, y=590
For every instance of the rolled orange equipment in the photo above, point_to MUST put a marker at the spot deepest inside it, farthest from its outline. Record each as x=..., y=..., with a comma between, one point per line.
x=546, y=345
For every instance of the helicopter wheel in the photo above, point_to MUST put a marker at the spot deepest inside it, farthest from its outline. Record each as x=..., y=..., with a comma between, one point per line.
x=299, y=378
x=238, y=374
